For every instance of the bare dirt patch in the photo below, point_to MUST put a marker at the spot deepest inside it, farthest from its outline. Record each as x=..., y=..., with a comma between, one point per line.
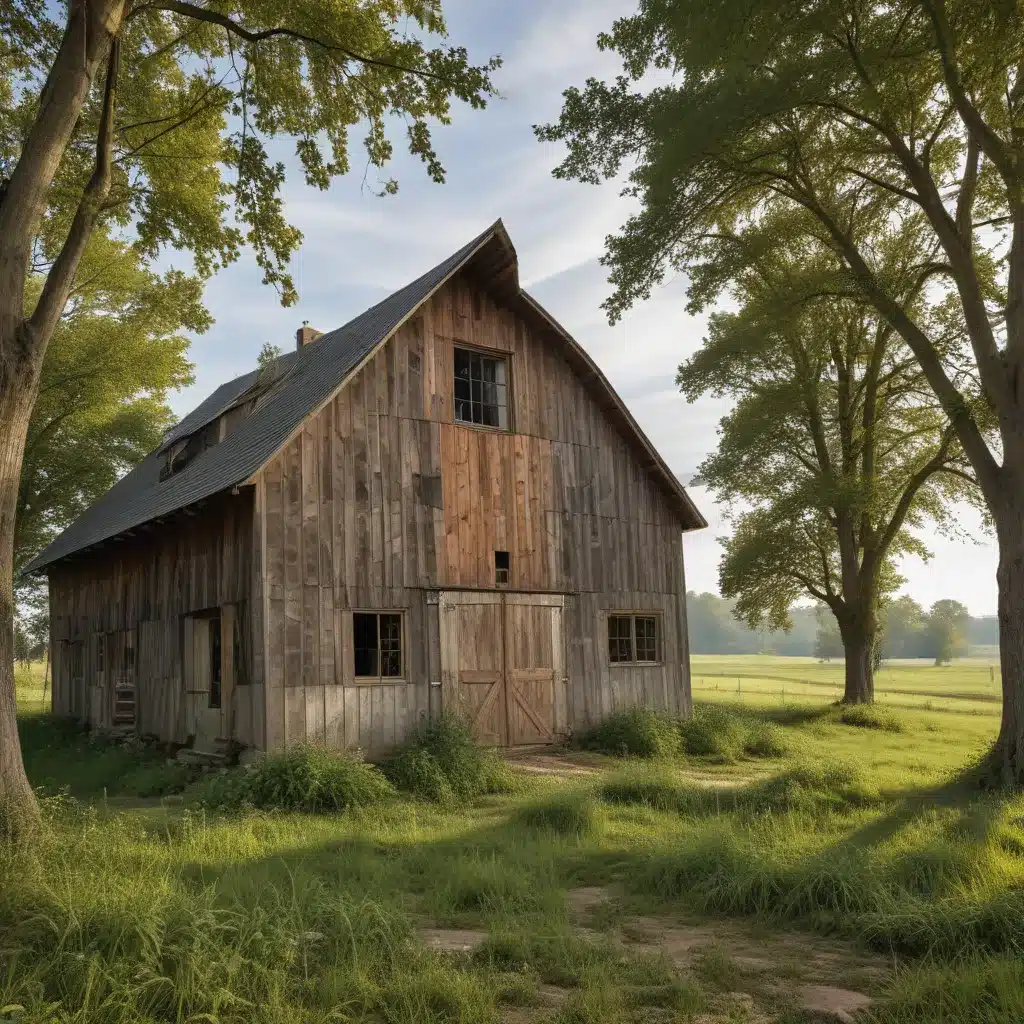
x=841, y=1003
x=587, y=898
x=452, y=940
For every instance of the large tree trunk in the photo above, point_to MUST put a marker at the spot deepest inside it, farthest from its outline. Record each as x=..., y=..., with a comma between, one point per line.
x=18, y=809
x=1006, y=760
x=859, y=651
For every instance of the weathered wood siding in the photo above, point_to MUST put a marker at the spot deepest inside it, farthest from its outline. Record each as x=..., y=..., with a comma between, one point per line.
x=382, y=496
x=143, y=587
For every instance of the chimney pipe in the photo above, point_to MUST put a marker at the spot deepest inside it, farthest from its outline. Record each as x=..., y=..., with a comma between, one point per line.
x=305, y=334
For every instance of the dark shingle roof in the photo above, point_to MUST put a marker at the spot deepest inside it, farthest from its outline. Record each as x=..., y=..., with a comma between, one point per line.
x=304, y=380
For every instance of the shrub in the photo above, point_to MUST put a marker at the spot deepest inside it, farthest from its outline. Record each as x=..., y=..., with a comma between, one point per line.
x=765, y=740
x=862, y=717
x=658, y=789
x=443, y=763
x=637, y=732
x=162, y=778
x=713, y=732
x=812, y=787
x=301, y=778
x=571, y=814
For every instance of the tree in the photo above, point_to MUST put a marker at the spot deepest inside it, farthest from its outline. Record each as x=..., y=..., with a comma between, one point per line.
x=947, y=631
x=156, y=116
x=834, y=448
x=115, y=354
x=267, y=354
x=853, y=113
x=904, y=628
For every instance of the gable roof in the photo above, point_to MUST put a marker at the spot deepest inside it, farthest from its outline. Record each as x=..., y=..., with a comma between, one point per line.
x=304, y=381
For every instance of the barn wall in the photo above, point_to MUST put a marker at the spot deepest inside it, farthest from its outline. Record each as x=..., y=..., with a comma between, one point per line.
x=381, y=497
x=138, y=590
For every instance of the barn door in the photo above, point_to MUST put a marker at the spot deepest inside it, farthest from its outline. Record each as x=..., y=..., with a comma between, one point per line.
x=533, y=668
x=501, y=665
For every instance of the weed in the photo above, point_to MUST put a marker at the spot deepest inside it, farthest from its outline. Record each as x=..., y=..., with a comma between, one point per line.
x=636, y=732
x=444, y=763
x=714, y=733
x=301, y=778
x=570, y=814
x=861, y=716
x=766, y=740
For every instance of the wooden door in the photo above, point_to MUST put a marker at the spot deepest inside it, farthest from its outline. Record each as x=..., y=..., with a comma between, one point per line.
x=533, y=668
x=502, y=665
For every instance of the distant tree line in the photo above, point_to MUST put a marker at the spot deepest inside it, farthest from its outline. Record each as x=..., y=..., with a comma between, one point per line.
x=907, y=630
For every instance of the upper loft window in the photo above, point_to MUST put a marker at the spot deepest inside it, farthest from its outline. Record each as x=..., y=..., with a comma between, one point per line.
x=481, y=389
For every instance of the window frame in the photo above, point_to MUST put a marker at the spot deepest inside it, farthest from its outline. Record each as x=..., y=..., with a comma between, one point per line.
x=403, y=649
x=498, y=355
x=633, y=615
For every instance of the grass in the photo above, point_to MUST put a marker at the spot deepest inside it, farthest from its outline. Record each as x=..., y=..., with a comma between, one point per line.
x=171, y=912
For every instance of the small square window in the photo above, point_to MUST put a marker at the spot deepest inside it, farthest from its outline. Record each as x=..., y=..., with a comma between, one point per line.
x=634, y=639
x=481, y=389
x=377, y=645
x=501, y=567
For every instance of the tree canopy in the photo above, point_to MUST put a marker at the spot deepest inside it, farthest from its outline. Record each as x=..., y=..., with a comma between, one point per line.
x=835, y=448
x=854, y=115
x=116, y=353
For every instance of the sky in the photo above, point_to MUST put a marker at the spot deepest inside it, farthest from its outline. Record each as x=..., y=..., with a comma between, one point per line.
x=359, y=248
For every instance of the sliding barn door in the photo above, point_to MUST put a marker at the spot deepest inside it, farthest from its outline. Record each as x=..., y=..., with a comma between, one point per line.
x=502, y=665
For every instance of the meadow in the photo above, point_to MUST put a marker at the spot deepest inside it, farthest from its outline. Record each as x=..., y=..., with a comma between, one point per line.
x=764, y=862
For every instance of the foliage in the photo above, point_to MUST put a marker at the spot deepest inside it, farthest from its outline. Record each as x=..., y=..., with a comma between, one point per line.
x=870, y=718
x=765, y=739
x=159, y=913
x=116, y=353
x=713, y=732
x=568, y=814
x=201, y=95
x=947, y=630
x=268, y=354
x=300, y=778
x=443, y=762
x=635, y=732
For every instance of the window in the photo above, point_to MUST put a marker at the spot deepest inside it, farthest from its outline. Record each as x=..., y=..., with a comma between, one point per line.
x=481, y=389
x=377, y=645
x=633, y=639
x=501, y=567
x=215, y=679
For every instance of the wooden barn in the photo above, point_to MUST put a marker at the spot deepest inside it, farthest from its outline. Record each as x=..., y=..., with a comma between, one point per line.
x=442, y=504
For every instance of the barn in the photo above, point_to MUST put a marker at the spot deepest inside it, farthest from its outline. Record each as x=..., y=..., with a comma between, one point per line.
x=442, y=504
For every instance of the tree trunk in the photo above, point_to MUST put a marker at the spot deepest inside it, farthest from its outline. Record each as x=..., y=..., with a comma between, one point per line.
x=18, y=808
x=1006, y=760
x=859, y=651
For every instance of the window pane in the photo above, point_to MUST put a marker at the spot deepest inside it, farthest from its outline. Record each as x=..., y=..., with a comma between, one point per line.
x=364, y=635
x=475, y=371
x=620, y=638
x=499, y=371
x=391, y=645
x=477, y=392
x=489, y=415
x=461, y=364
x=461, y=389
x=646, y=638
x=503, y=417
x=490, y=394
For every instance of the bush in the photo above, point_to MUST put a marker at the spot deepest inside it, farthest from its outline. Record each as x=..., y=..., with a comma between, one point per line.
x=571, y=814
x=637, y=732
x=765, y=740
x=302, y=778
x=162, y=778
x=861, y=716
x=713, y=732
x=444, y=763
x=812, y=787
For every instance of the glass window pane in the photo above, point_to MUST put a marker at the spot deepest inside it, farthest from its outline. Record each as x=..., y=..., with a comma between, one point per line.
x=490, y=394
x=475, y=372
x=502, y=417
x=620, y=638
x=499, y=371
x=489, y=416
x=477, y=392
x=646, y=638
x=461, y=389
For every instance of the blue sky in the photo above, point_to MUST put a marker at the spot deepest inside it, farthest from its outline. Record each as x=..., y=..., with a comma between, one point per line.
x=359, y=248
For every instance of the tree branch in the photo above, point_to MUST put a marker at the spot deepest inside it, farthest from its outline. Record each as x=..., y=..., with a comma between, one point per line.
x=216, y=18
x=62, y=275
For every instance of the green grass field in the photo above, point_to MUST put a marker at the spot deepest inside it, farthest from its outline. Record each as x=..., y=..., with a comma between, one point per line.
x=797, y=855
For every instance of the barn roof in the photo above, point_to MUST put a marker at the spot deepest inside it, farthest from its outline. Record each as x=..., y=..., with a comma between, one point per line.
x=304, y=380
